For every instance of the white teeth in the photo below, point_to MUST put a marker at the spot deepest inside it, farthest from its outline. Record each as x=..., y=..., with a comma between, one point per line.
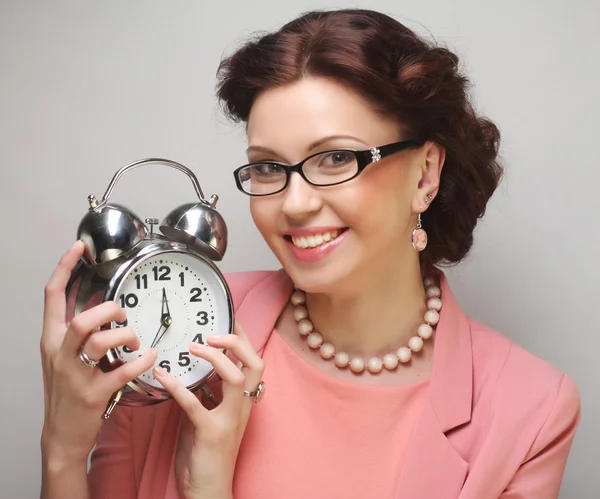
x=314, y=240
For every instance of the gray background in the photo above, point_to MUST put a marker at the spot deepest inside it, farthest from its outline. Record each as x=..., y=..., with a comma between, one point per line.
x=86, y=87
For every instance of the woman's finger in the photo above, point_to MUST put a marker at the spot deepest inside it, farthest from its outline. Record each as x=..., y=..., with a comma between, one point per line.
x=55, y=306
x=189, y=403
x=90, y=320
x=234, y=380
x=241, y=348
x=238, y=330
x=99, y=342
x=122, y=375
x=252, y=365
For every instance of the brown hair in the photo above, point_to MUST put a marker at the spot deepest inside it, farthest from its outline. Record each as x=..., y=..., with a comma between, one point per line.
x=403, y=76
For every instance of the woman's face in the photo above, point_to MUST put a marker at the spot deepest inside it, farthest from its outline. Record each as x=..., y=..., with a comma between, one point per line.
x=355, y=230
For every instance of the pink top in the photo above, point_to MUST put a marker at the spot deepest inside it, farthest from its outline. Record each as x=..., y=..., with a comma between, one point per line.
x=494, y=422
x=313, y=432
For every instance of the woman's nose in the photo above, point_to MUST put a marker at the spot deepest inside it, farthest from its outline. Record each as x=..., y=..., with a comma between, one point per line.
x=301, y=198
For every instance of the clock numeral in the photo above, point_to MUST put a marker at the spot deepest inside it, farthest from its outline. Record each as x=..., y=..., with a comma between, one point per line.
x=120, y=324
x=166, y=365
x=196, y=292
x=182, y=278
x=198, y=338
x=161, y=273
x=130, y=300
x=203, y=320
x=141, y=280
x=184, y=359
x=127, y=350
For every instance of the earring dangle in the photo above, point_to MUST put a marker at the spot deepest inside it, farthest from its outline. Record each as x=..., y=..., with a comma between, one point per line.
x=419, y=236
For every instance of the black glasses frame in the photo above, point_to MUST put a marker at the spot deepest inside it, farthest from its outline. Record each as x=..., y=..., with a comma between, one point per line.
x=363, y=158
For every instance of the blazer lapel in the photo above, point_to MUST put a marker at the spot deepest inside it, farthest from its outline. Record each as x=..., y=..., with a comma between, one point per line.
x=259, y=310
x=432, y=467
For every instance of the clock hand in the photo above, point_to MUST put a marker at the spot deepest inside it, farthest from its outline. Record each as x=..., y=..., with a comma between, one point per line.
x=156, y=338
x=166, y=324
x=165, y=319
x=165, y=306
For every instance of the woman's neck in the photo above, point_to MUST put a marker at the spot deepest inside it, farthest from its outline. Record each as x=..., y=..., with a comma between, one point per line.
x=373, y=314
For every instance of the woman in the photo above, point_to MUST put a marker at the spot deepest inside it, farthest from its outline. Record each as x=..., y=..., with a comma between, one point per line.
x=378, y=384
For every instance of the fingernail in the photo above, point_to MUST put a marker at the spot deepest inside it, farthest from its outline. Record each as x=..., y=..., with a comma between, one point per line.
x=160, y=372
x=213, y=337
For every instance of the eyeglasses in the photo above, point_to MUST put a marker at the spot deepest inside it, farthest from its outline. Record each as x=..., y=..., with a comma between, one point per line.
x=325, y=168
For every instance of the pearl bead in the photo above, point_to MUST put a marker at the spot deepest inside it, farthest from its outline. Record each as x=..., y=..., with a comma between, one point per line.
x=428, y=281
x=390, y=361
x=404, y=354
x=415, y=344
x=432, y=317
x=327, y=351
x=341, y=359
x=300, y=313
x=434, y=304
x=314, y=340
x=425, y=331
x=305, y=327
x=298, y=298
x=357, y=365
x=375, y=365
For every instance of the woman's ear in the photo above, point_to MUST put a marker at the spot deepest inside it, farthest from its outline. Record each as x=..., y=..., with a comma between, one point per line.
x=431, y=160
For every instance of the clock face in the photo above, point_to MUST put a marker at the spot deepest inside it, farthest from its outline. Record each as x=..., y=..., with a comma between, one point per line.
x=171, y=300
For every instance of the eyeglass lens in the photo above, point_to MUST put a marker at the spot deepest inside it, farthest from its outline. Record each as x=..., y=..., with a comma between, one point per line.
x=326, y=168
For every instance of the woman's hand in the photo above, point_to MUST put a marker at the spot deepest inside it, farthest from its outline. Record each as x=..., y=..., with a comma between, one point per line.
x=209, y=440
x=75, y=395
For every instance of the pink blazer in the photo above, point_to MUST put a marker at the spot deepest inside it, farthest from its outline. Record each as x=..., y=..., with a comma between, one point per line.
x=498, y=421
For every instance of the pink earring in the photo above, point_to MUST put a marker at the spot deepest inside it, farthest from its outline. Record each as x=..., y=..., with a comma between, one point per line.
x=419, y=236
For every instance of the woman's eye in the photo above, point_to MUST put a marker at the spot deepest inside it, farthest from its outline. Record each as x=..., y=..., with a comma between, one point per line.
x=337, y=159
x=268, y=169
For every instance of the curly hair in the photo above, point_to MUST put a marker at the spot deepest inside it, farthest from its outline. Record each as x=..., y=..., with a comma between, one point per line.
x=401, y=75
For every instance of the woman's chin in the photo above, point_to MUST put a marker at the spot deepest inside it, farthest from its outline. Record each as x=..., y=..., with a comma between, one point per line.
x=330, y=279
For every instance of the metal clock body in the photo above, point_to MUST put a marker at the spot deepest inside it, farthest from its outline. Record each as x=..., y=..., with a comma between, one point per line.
x=168, y=283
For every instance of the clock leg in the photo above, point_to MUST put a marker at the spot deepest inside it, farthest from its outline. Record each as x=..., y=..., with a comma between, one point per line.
x=112, y=403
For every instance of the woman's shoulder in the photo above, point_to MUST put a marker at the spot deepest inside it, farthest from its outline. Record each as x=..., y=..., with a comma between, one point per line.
x=516, y=375
x=247, y=277
x=264, y=289
x=241, y=282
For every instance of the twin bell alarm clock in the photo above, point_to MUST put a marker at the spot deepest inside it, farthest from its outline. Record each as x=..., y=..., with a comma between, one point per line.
x=164, y=277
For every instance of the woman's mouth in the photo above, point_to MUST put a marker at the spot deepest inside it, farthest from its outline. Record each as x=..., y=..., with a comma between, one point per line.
x=315, y=240
x=313, y=247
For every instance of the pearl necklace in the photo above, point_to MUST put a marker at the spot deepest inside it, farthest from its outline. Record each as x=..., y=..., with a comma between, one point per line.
x=373, y=365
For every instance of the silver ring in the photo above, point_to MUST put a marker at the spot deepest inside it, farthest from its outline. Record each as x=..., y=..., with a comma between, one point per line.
x=86, y=361
x=258, y=394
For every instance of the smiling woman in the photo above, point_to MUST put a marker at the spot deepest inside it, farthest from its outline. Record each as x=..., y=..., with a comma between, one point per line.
x=367, y=172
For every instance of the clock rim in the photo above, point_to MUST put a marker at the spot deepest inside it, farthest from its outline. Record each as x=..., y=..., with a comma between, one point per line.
x=137, y=387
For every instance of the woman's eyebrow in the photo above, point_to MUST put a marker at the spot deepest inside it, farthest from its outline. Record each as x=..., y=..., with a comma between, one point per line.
x=311, y=147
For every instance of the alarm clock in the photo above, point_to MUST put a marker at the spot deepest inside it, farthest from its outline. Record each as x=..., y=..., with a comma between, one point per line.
x=164, y=275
